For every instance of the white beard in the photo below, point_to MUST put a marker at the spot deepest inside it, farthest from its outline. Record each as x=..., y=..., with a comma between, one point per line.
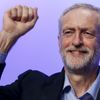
x=81, y=62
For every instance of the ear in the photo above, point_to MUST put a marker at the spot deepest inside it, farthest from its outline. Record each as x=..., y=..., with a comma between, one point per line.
x=59, y=42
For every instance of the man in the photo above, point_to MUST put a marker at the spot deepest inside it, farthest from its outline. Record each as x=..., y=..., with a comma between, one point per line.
x=79, y=43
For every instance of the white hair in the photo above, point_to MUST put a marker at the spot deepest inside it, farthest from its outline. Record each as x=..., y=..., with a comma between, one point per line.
x=76, y=6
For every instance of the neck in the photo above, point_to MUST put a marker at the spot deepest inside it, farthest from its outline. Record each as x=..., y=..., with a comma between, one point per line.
x=82, y=82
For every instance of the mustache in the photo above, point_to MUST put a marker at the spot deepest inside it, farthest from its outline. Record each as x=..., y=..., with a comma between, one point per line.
x=81, y=49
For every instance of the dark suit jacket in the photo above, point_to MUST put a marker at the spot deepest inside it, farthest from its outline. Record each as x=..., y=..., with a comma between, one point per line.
x=34, y=85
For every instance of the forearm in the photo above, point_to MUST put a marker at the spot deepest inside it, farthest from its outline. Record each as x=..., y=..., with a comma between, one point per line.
x=6, y=42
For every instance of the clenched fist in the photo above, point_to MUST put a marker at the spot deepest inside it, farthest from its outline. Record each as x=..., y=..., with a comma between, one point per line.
x=16, y=22
x=19, y=20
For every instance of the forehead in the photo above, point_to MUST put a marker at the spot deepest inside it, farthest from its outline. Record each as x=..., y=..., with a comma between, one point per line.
x=80, y=17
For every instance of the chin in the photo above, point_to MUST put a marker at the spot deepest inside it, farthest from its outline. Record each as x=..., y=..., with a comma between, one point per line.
x=76, y=63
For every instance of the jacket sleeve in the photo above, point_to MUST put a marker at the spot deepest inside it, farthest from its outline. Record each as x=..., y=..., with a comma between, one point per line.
x=12, y=91
x=27, y=81
x=2, y=66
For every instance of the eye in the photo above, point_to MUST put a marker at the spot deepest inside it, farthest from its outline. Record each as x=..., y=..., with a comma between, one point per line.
x=68, y=32
x=88, y=34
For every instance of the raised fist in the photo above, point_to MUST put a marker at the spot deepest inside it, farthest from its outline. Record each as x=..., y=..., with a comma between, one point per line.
x=18, y=20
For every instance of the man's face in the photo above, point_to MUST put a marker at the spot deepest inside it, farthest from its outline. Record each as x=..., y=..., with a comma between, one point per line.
x=78, y=38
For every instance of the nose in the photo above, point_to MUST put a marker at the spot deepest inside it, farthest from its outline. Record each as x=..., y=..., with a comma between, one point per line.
x=77, y=40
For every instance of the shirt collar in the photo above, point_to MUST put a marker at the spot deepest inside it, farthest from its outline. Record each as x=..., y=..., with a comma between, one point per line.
x=67, y=85
x=66, y=82
x=93, y=90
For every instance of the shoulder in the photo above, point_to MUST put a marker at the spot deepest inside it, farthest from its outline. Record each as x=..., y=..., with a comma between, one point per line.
x=32, y=75
x=38, y=78
x=31, y=79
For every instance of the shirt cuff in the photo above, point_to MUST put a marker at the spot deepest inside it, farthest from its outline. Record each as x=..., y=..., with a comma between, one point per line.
x=3, y=57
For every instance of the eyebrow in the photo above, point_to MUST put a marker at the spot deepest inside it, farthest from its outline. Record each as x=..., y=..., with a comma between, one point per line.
x=82, y=29
x=68, y=28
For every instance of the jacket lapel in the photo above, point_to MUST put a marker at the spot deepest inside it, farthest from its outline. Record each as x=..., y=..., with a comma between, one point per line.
x=54, y=86
x=98, y=96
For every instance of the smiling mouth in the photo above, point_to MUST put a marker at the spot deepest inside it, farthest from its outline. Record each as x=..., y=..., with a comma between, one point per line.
x=77, y=52
x=80, y=51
